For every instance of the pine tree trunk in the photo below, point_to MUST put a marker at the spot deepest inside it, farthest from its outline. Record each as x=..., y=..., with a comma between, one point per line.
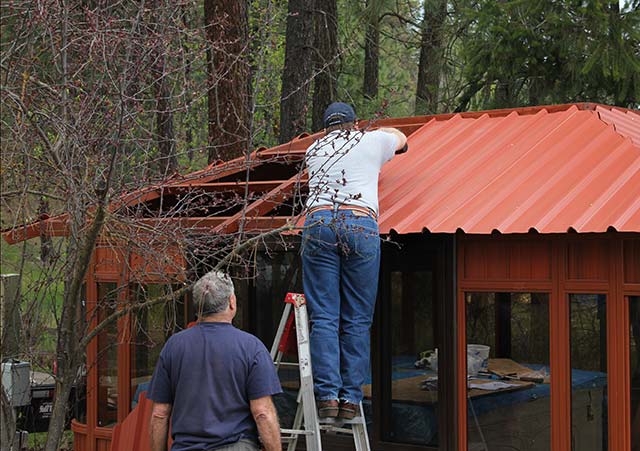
x=167, y=159
x=298, y=69
x=431, y=52
x=326, y=62
x=371, y=53
x=229, y=78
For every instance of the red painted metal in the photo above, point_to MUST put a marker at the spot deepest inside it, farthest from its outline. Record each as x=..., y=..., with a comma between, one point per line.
x=626, y=122
x=549, y=171
x=133, y=433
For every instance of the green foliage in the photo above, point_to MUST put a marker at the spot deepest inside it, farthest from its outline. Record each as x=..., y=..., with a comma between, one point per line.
x=41, y=296
x=399, y=51
x=267, y=25
x=548, y=51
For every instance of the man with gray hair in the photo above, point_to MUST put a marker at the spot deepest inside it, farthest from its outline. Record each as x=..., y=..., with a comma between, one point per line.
x=214, y=381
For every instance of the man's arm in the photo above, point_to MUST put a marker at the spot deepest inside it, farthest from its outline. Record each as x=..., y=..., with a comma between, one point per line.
x=264, y=413
x=402, y=139
x=159, y=426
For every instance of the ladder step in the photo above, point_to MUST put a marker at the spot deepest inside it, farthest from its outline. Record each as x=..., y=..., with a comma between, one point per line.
x=292, y=334
x=296, y=432
x=342, y=430
x=288, y=365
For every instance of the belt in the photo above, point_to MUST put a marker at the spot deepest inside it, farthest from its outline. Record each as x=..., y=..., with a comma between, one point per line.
x=365, y=210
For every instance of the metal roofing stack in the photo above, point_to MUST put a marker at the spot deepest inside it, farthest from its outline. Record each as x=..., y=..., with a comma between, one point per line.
x=546, y=170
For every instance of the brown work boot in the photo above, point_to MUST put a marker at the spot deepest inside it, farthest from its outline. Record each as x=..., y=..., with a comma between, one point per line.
x=348, y=410
x=328, y=409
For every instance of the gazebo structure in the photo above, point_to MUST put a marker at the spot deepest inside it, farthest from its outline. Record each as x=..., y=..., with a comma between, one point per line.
x=517, y=230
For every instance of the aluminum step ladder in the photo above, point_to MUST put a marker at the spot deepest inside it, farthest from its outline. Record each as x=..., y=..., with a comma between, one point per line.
x=292, y=335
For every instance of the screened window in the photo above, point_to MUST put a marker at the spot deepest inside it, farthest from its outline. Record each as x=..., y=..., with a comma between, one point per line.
x=413, y=375
x=277, y=273
x=508, y=369
x=588, y=321
x=150, y=328
x=107, y=357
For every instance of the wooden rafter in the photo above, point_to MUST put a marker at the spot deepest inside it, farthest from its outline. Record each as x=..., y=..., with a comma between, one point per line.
x=225, y=187
x=55, y=226
x=262, y=206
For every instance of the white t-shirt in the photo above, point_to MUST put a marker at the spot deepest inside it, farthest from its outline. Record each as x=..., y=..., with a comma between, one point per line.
x=344, y=167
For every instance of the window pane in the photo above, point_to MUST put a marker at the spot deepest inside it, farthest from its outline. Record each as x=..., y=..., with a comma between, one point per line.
x=107, y=357
x=150, y=329
x=508, y=369
x=588, y=371
x=277, y=273
x=414, y=394
x=634, y=354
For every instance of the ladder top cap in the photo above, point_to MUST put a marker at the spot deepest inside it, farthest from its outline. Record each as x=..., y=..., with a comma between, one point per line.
x=297, y=299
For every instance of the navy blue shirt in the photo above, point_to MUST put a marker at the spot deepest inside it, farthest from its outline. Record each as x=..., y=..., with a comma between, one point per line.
x=209, y=373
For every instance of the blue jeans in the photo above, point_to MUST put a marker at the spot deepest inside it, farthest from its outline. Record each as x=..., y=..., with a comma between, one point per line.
x=341, y=262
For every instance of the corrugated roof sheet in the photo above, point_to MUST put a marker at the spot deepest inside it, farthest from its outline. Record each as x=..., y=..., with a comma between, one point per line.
x=550, y=171
x=626, y=122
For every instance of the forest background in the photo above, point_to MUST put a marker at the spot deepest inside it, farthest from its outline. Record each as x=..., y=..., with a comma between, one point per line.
x=103, y=97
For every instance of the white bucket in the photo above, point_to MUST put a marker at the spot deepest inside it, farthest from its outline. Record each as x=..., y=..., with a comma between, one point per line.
x=477, y=358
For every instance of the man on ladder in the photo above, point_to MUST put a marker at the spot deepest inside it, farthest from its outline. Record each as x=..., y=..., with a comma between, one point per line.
x=341, y=254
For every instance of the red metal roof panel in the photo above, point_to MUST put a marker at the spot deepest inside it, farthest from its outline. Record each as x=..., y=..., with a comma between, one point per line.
x=626, y=122
x=545, y=170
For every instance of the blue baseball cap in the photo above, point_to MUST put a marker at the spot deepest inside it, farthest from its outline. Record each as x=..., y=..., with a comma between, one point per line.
x=338, y=113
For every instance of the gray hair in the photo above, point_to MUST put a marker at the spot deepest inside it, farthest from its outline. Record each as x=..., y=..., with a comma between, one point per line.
x=211, y=293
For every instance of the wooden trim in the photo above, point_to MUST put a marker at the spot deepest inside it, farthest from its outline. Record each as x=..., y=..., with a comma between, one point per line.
x=122, y=348
x=461, y=354
x=513, y=286
x=445, y=272
x=216, y=224
x=55, y=226
x=106, y=278
x=585, y=287
x=559, y=336
x=235, y=187
x=631, y=288
x=618, y=387
x=92, y=356
x=123, y=357
x=103, y=433
x=261, y=206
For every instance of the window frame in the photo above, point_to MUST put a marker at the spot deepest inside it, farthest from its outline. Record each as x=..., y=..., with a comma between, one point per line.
x=416, y=252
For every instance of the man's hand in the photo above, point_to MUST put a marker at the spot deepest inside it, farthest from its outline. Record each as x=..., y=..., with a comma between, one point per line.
x=159, y=426
x=264, y=413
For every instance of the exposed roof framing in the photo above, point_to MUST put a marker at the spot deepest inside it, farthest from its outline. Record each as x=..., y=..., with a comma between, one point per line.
x=510, y=170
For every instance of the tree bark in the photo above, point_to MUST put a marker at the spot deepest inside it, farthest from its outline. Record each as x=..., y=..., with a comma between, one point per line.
x=69, y=355
x=371, y=52
x=46, y=244
x=167, y=159
x=8, y=421
x=298, y=69
x=326, y=59
x=431, y=49
x=228, y=78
